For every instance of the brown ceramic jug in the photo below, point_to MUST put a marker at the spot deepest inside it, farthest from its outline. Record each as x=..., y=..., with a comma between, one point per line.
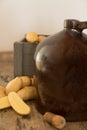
x=61, y=71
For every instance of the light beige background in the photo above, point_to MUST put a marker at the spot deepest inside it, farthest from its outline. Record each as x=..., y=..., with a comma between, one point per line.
x=42, y=16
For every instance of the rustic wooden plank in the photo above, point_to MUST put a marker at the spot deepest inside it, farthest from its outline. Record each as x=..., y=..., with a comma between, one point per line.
x=10, y=120
x=6, y=56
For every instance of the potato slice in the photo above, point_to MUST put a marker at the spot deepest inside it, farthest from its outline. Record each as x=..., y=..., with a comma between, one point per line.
x=18, y=104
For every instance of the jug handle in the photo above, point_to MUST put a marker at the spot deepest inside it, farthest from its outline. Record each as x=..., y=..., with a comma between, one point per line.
x=75, y=24
x=81, y=26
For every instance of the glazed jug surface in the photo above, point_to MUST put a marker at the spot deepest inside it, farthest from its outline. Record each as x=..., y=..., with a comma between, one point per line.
x=61, y=71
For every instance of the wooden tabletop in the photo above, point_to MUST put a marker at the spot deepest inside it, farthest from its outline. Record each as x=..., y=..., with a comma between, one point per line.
x=10, y=120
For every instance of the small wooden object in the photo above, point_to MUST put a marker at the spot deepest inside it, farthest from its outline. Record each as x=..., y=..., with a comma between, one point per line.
x=56, y=120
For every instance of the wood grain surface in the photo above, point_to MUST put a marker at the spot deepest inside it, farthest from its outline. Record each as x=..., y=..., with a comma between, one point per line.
x=10, y=120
